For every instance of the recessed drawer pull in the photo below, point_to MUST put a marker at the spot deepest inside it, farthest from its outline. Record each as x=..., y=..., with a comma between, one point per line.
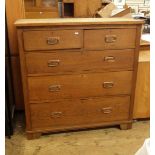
x=109, y=59
x=83, y=99
x=110, y=38
x=56, y=114
x=54, y=88
x=107, y=110
x=53, y=63
x=52, y=40
x=108, y=84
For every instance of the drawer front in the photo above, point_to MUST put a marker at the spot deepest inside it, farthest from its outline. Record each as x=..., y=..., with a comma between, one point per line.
x=60, y=62
x=109, y=39
x=70, y=113
x=83, y=85
x=54, y=39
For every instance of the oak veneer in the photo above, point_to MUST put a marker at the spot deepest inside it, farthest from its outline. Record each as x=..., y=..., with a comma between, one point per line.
x=142, y=96
x=76, y=112
x=60, y=62
x=80, y=85
x=99, y=39
x=71, y=81
x=142, y=92
x=42, y=40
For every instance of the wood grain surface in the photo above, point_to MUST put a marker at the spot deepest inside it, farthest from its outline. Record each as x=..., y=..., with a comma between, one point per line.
x=81, y=85
x=59, y=114
x=76, y=21
x=61, y=62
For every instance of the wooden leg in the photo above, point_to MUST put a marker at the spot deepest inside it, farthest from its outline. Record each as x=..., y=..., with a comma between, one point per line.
x=33, y=135
x=126, y=126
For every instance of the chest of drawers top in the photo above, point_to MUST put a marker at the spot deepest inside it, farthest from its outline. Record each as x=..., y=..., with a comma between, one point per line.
x=76, y=21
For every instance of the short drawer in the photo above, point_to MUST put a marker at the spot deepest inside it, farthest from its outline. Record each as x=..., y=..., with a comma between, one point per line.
x=52, y=39
x=76, y=112
x=109, y=39
x=61, y=62
x=81, y=85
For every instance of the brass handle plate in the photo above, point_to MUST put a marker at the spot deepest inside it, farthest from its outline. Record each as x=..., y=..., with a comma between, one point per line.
x=53, y=63
x=110, y=38
x=109, y=59
x=52, y=40
x=107, y=110
x=108, y=84
x=56, y=114
x=54, y=88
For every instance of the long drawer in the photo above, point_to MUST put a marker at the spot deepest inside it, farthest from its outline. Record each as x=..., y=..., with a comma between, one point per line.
x=81, y=85
x=52, y=39
x=109, y=39
x=61, y=62
x=74, y=112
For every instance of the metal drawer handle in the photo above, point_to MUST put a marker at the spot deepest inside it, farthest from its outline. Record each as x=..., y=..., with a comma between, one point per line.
x=54, y=88
x=109, y=58
x=56, y=114
x=108, y=84
x=110, y=38
x=52, y=40
x=53, y=63
x=107, y=110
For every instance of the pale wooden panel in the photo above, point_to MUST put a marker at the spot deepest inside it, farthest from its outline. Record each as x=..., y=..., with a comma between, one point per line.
x=144, y=56
x=14, y=10
x=142, y=95
x=80, y=8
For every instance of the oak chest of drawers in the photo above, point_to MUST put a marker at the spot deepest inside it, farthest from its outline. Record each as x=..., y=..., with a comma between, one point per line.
x=78, y=73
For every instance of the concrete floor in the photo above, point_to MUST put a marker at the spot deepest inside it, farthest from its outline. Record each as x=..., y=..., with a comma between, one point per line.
x=106, y=141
